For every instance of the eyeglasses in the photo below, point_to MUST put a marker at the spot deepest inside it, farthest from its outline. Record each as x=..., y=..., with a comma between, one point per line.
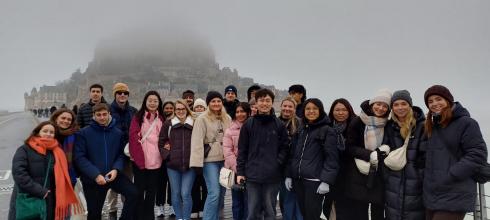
x=180, y=109
x=121, y=92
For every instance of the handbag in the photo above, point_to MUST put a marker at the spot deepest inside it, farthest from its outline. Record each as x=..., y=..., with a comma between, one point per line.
x=30, y=207
x=397, y=159
x=126, y=147
x=226, y=177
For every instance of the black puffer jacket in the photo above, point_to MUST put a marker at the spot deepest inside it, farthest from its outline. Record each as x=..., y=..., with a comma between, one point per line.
x=29, y=171
x=356, y=182
x=231, y=107
x=262, y=149
x=84, y=116
x=403, y=189
x=314, y=153
x=448, y=184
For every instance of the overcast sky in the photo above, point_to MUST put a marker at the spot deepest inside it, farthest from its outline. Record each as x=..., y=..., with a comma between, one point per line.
x=335, y=48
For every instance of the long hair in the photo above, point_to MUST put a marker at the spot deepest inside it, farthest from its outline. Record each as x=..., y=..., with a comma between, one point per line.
x=246, y=108
x=347, y=105
x=446, y=116
x=292, y=121
x=57, y=113
x=141, y=112
x=223, y=116
x=407, y=125
x=37, y=129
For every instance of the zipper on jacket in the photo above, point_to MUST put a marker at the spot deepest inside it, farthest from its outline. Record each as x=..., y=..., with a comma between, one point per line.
x=105, y=147
x=302, y=152
x=183, y=139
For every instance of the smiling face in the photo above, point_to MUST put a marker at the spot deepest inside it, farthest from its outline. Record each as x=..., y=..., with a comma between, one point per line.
x=215, y=105
x=180, y=111
x=380, y=109
x=312, y=112
x=240, y=114
x=102, y=117
x=96, y=95
x=47, y=131
x=230, y=96
x=401, y=109
x=264, y=104
x=287, y=109
x=437, y=103
x=152, y=103
x=64, y=120
x=122, y=97
x=340, y=112
x=168, y=109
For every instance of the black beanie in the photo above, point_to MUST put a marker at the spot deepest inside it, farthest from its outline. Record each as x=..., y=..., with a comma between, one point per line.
x=318, y=104
x=211, y=95
x=401, y=95
x=231, y=88
x=438, y=90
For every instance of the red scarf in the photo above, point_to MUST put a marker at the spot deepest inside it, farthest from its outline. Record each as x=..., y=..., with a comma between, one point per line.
x=65, y=196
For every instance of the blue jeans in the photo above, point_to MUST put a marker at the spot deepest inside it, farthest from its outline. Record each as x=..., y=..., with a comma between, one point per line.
x=181, y=184
x=211, y=176
x=239, y=205
x=290, y=204
x=262, y=200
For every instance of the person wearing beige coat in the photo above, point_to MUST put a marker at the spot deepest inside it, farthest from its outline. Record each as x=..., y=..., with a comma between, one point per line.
x=209, y=129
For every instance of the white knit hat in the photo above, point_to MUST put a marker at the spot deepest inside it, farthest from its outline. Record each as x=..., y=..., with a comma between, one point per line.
x=201, y=102
x=383, y=95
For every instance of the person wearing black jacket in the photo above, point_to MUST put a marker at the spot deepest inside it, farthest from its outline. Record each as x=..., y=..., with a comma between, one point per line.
x=341, y=114
x=455, y=151
x=84, y=114
x=365, y=136
x=231, y=100
x=262, y=152
x=403, y=188
x=314, y=160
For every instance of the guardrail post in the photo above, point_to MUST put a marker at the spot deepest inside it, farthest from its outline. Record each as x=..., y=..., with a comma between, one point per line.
x=480, y=212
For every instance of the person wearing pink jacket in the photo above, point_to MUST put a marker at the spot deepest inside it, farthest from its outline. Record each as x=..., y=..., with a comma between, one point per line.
x=230, y=151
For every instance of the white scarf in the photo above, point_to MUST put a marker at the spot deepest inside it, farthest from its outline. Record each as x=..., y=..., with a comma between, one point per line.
x=373, y=134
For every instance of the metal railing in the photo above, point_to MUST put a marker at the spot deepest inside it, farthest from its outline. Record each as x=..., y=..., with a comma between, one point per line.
x=481, y=207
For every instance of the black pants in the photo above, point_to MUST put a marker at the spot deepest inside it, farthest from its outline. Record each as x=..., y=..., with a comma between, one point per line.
x=349, y=209
x=163, y=187
x=199, y=194
x=95, y=196
x=310, y=202
x=327, y=206
x=146, y=182
x=262, y=200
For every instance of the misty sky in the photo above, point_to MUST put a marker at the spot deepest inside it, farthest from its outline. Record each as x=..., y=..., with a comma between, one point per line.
x=335, y=48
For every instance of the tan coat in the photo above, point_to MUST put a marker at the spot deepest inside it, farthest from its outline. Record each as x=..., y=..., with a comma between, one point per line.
x=208, y=129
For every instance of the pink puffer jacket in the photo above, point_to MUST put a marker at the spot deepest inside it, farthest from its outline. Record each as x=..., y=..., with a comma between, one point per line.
x=230, y=144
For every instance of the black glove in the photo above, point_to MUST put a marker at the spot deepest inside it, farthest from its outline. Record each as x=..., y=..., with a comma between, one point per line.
x=197, y=170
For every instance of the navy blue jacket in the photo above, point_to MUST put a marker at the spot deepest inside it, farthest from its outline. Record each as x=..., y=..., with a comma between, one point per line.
x=314, y=153
x=262, y=149
x=448, y=185
x=123, y=118
x=98, y=150
x=403, y=189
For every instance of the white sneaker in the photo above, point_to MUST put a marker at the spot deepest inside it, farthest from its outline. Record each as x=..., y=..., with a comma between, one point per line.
x=160, y=211
x=168, y=210
x=194, y=215
x=201, y=214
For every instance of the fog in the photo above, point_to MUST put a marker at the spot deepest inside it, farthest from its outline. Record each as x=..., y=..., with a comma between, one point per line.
x=335, y=48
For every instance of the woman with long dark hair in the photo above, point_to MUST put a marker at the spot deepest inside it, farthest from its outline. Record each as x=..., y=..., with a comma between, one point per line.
x=230, y=151
x=340, y=114
x=144, y=132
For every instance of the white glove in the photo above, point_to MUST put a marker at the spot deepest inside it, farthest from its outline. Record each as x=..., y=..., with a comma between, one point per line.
x=385, y=148
x=323, y=188
x=373, y=158
x=288, y=183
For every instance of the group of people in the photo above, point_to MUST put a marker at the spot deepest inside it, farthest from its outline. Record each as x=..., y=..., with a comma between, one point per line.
x=316, y=162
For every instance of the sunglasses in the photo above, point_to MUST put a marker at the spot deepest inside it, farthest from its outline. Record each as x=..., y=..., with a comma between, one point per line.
x=121, y=92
